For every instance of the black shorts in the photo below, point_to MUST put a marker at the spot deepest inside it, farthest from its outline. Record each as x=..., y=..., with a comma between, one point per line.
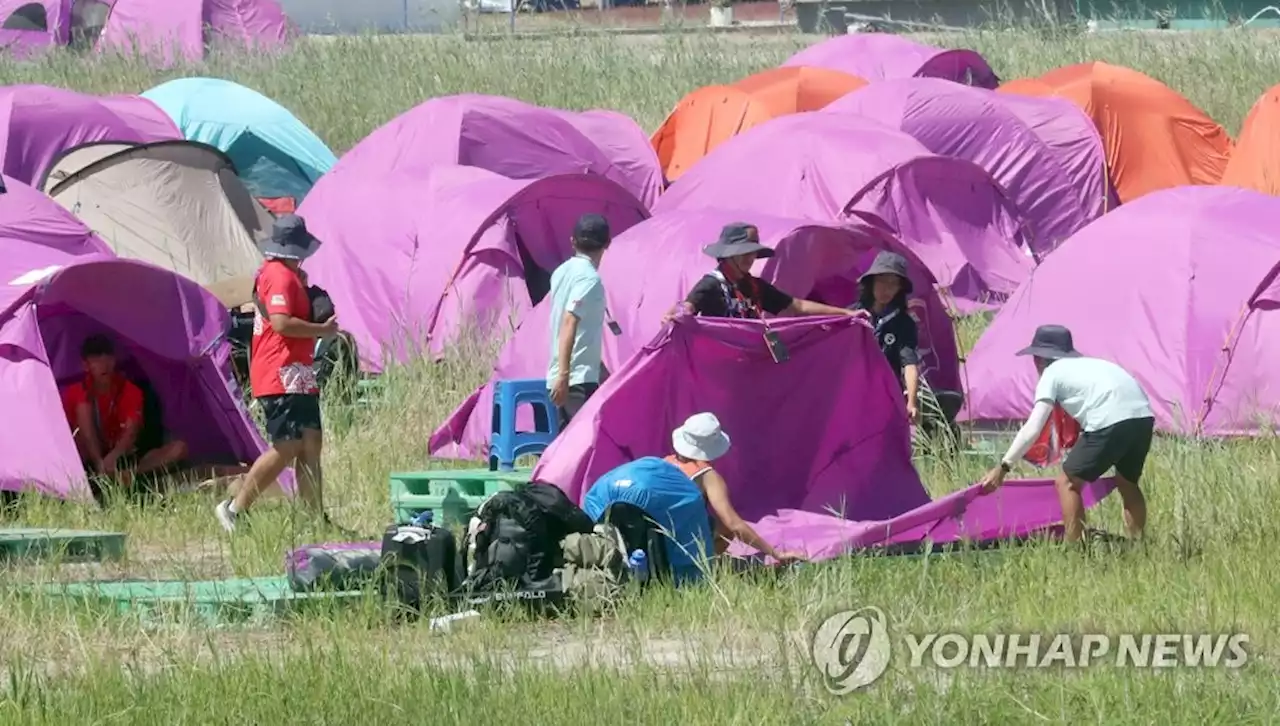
x=1124, y=445
x=289, y=415
x=574, y=401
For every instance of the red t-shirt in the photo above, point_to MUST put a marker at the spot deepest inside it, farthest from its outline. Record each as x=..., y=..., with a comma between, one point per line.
x=279, y=364
x=116, y=408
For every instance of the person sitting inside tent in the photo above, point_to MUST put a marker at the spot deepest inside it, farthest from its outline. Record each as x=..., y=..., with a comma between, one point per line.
x=105, y=411
x=882, y=300
x=697, y=443
x=1116, y=423
x=731, y=291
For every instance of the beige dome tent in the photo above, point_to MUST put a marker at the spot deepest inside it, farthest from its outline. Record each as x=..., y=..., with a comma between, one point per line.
x=176, y=204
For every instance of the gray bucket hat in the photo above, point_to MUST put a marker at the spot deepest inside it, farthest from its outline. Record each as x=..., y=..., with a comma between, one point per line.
x=736, y=239
x=888, y=263
x=1051, y=342
x=290, y=239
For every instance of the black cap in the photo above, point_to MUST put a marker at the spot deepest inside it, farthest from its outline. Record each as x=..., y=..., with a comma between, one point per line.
x=889, y=263
x=738, y=238
x=1051, y=342
x=591, y=233
x=96, y=345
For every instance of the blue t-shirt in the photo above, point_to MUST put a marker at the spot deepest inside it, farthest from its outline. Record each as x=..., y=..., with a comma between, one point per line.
x=576, y=288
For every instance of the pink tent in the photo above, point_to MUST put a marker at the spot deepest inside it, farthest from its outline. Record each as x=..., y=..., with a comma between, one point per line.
x=879, y=56
x=164, y=29
x=414, y=257
x=512, y=138
x=59, y=286
x=1044, y=151
x=656, y=262
x=822, y=166
x=40, y=123
x=1180, y=288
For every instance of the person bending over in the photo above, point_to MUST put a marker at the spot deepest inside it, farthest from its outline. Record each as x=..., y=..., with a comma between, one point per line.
x=882, y=300
x=1116, y=425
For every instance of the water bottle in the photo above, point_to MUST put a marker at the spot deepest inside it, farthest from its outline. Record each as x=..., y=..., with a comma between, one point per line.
x=638, y=563
x=423, y=519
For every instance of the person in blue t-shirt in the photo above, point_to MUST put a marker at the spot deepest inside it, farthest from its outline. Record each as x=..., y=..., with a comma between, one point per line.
x=577, y=320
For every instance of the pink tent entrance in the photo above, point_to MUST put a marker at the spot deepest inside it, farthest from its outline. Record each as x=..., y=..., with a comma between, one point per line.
x=1044, y=151
x=1180, y=288
x=822, y=167
x=59, y=285
x=412, y=258
x=656, y=263
x=880, y=56
x=512, y=138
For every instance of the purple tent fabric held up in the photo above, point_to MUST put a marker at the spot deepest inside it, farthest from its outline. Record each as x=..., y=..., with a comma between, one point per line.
x=1182, y=293
x=412, y=257
x=880, y=56
x=1044, y=151
x=656, y=263
x=820, y=166
x=512, y=138
x=58, y=286
x=39, y=123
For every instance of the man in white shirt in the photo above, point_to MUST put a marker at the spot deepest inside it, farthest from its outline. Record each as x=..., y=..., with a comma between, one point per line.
x=577, y=319
x=1116, y=423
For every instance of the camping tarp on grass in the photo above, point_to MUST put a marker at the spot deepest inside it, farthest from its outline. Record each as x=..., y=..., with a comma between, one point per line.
x=1181, y=291
x=822, y=166
x=655, y=263
x=274, y=153
x=1154, y=137
x=411, y=259
x=57, y=286
x=511, y=138
x=1044, y=151
x=879, y=57
x=705, y=118
x=175, y=204
x=1255, y=160
x=39, y=123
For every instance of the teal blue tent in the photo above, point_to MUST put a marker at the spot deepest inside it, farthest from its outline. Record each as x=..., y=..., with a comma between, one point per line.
x=274, y=153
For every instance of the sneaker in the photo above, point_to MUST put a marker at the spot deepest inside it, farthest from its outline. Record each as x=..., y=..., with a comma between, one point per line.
x=226, y=517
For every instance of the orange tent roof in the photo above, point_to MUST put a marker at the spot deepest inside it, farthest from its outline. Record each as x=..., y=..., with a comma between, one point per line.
x=1154, y=138
x=1255, y=162
x=711, y=115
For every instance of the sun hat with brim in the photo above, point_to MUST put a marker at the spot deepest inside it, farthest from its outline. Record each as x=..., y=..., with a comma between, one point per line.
x=290, y=239
x=1051, y=342
x=700, y=438
x=888, y=263
x=736, y=239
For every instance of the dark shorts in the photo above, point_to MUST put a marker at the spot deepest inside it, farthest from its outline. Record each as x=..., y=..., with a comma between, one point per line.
x=289, y=415
x=576, y=399
x=1124, y=446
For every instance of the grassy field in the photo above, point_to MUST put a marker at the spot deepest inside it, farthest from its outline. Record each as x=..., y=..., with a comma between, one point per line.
x=732, y=652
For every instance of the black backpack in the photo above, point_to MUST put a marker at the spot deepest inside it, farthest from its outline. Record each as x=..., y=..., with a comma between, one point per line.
x=518, y=539
x=419, y=564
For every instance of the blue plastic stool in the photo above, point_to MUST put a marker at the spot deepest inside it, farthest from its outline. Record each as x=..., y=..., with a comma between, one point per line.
x=505, y=443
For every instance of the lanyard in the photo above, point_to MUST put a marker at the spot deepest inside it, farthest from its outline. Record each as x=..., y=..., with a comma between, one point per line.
x=879, y=326
x=732, y=293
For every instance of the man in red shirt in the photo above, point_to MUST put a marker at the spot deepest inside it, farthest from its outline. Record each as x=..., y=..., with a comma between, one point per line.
x=105, y=414
x=282, y=372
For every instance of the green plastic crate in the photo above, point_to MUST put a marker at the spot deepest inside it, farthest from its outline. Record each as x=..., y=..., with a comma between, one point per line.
x=452, y=495
x=66, y=544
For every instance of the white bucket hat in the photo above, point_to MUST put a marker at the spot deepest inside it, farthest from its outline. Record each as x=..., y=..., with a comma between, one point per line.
x=700, y=438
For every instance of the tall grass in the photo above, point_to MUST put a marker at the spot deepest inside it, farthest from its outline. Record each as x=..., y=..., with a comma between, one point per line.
x=729, y=652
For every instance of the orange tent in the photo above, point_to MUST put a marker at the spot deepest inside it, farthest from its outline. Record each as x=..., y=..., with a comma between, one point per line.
x=1255, y=162
x=711, y=115
x=1154, y=138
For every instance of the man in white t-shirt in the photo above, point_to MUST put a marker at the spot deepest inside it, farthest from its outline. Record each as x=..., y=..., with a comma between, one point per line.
x=577, y=319
x=1116, y=424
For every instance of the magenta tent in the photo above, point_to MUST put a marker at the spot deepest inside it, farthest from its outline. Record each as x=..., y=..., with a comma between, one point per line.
x=39, y=123
x=879, y=56
x=512, y=138
x=57, y=286
x=1044, y=151
x=656, y=263
x=414, y=258
x=1181, y=291
x=823, y=167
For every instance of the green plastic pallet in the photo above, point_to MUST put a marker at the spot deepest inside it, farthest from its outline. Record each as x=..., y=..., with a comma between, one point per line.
x=452, y=495
x=67, y=544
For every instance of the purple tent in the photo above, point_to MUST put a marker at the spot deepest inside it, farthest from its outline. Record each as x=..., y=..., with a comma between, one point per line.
x=821, y=166
x=412, y=258
x=879, y=57
x=59, y=285
x=512, y=138
x=1044, y=151
x=1180, y=288
x=656, y=262
x=156, y=28
x=40, y=123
